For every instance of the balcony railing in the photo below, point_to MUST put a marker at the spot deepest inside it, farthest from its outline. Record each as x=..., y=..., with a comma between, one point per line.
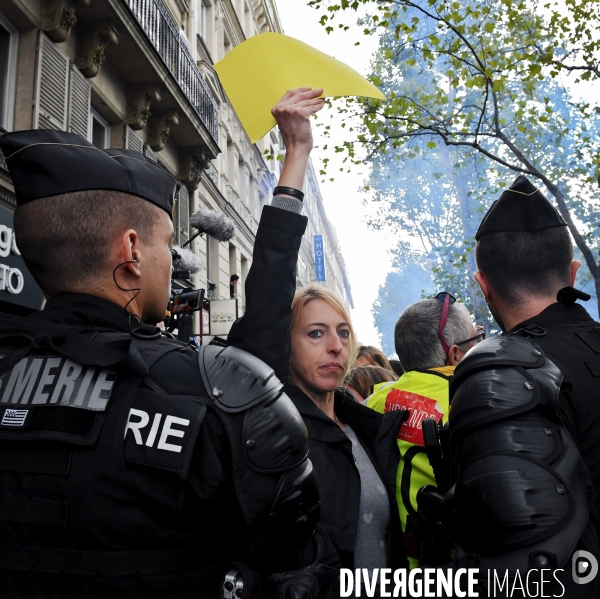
x=163, y=33
x=241, y=208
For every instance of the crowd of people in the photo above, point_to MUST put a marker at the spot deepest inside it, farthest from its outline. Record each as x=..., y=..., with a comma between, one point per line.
x=132, y=465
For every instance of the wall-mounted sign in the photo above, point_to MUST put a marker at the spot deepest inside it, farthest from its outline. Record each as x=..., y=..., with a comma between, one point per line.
x=205, y=321
x=222, y=315
x=16, y=283
x=319, y=258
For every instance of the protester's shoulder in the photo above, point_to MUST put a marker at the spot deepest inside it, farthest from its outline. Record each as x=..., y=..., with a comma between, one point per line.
x=377, y=400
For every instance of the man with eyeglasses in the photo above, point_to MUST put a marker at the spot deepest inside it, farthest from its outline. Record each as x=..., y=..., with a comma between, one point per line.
x=525, y=409
x=431, y=337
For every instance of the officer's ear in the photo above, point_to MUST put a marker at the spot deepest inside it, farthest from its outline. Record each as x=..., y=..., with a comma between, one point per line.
x=574, y=268
x=483, y=284
x=127, y=252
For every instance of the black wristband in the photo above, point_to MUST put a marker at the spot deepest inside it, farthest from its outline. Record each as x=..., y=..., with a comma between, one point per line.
x=289, y=191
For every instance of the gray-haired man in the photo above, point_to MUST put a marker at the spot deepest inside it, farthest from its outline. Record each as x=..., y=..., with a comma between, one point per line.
x=431, y=337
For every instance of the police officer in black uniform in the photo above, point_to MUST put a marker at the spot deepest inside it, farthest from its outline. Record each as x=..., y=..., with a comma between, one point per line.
x=525, y=412
x=130, y=464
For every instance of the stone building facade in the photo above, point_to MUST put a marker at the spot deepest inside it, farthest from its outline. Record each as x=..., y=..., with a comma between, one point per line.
x=336, y=275
x=139, y=74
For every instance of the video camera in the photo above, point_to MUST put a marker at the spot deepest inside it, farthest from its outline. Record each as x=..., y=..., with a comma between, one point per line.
x=185, y=300
x=182, y=305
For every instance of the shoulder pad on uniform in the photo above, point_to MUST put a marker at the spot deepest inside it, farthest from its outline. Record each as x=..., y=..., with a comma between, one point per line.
x=235, y=379
x=496, y=353
x=494, y=386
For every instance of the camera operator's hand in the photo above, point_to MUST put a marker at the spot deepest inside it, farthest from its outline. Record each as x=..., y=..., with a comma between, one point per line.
x=292, y=114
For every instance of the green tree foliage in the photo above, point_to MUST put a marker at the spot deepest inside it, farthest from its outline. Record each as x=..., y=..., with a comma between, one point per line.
x=433, y=206
x=484, y=78
x=573, y=25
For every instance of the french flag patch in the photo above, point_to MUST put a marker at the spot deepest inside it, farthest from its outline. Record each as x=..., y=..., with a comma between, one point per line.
x=14, y=418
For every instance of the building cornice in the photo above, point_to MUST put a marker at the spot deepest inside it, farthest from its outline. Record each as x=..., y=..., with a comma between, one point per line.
x=168, y=80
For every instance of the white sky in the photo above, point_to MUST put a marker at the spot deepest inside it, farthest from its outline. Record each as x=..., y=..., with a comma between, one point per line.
x=364, y=250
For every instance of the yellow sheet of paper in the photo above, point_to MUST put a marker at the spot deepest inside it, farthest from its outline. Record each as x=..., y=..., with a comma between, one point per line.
x=257, y=73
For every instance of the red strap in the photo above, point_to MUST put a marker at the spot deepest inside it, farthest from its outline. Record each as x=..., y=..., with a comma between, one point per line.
x=443, y=321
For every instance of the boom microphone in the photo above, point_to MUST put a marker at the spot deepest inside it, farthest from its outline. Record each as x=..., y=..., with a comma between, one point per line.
x=217, y=225
x=184, y=259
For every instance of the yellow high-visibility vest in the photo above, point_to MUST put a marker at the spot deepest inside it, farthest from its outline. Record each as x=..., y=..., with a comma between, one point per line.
x=425, y=394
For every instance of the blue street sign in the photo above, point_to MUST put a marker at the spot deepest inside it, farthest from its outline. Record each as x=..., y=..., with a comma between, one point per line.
x=319, y=258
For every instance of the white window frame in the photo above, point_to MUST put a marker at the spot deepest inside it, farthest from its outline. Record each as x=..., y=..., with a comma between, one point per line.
x=94, y=114
x=203, y=20
x=7, y=117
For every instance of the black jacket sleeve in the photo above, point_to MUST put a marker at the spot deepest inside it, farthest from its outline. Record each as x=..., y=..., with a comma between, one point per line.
x=264, y=329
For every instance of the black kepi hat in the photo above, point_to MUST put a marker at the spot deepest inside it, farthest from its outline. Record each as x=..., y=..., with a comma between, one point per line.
x=523, y=207
x=45, y=163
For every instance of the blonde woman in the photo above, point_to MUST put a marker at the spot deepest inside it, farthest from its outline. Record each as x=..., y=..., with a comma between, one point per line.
x=309, y=341
x=351, y=447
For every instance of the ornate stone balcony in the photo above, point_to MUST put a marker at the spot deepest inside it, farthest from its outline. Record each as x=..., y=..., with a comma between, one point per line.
x=164, y=35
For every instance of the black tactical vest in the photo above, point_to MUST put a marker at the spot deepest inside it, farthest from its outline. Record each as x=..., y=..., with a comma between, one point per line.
x=520, y=502
x=574, y=346
x=116, y=484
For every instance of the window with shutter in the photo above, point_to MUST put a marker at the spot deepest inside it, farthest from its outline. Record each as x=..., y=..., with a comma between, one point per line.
x=100, y=130
x=9, y=49
x=149, y=153
x=184, y=214
x=79, y=103
x=132, y=140
x=52, y=84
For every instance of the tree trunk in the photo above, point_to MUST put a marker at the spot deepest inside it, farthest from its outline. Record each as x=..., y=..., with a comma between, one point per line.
x=579, y=241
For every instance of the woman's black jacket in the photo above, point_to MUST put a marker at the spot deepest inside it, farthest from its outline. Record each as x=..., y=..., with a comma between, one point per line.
x=264, y=331
x=330, y=451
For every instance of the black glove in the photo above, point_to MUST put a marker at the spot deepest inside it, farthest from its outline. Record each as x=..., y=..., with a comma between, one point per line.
x=316, y=581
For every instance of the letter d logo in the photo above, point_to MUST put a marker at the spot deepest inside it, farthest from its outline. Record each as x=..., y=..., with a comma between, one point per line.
x=585, y=567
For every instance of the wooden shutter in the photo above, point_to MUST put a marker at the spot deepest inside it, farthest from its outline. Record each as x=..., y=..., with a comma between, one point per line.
x=184, y=214
x=52, y=84
x=149, y=153
x=79, y=103
x=132, y=140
